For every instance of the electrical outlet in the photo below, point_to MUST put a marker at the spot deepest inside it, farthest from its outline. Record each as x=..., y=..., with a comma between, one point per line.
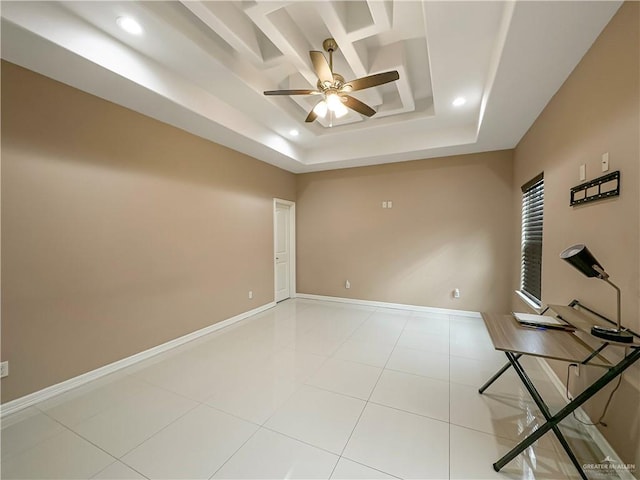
x=347, y=284
x=456, y=293
x=250, y=294
x=4, y=369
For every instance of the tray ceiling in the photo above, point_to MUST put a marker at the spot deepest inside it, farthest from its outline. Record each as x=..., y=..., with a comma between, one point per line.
x=202, y=67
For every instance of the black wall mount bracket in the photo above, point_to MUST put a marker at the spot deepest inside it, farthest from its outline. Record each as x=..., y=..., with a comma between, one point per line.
x=599, y=188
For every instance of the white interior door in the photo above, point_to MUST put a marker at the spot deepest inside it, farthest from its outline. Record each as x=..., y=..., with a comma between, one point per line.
x=282, y=252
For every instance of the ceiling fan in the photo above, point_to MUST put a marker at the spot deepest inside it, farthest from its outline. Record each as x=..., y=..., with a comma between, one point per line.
x=334, y=90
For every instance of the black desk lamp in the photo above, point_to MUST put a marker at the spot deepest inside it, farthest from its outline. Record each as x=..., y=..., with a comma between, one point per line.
x=581, y=258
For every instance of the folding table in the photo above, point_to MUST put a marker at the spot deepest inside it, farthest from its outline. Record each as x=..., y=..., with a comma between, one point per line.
x=515, y=341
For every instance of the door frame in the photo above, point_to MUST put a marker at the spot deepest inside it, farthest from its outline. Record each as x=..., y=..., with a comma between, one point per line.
x=292, y=246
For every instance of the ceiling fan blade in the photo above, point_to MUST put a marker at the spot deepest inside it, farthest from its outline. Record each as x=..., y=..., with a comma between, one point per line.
x=292, y=92
x=321, y=66
x=313, y=113
x=311, y=117
x=371, y=81
x=358, y=106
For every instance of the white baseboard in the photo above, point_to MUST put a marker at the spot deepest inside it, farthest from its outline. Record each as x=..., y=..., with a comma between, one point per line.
x=29, y=400
x=398, y=306
x=591, y=430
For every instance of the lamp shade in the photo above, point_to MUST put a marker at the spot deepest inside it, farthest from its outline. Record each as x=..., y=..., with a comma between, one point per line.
x=581, y=258
x=321, y=109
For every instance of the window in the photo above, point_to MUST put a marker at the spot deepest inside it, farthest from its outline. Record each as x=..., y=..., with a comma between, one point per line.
x=531, y=262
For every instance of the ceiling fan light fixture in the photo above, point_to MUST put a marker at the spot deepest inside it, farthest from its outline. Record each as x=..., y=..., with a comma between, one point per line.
x=340, y=110
x=321, y=109
x=334, y=89
x=333, y=101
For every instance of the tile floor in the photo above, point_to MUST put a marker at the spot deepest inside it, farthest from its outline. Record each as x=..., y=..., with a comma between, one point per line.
x=307, y=389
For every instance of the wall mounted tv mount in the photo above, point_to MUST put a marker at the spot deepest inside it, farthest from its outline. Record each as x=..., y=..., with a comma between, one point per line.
x=597, y=189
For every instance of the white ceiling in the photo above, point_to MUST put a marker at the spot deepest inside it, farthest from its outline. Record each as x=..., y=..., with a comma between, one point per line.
x=202, y=66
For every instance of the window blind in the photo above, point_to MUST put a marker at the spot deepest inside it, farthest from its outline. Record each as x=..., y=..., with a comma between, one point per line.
x=531, y=261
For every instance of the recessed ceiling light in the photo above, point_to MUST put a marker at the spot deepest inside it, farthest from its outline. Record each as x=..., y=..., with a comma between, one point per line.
x=458, y=102
x=294, y=132
x=129, y=25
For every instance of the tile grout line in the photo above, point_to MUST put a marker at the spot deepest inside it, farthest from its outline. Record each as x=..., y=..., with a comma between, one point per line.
x=199, y=403
x=23, y=450
x=366, y=401
x=122, y=463
x=234, y=453
x=370, y=394
x=264, y=424
x=69, y=428
x=407, y=412
x=260, y=426
x=116, y=459
x=369, y=467
x=272, y=430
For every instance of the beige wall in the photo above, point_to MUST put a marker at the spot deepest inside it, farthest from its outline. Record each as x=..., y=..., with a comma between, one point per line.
x=119, y=232
x=597, y=110
x=450, y=227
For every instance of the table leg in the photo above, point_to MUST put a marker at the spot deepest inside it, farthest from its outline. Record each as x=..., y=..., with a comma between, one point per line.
x=545, y=411
x=610, y=374
x=497, y=375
